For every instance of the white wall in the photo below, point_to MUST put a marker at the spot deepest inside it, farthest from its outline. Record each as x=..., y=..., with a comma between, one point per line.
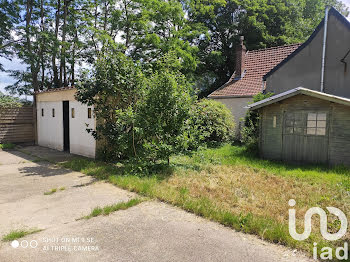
x=50, y=129
x=81, y=142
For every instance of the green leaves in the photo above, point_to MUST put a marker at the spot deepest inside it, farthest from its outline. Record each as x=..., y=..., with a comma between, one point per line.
x=210, y=123
x=57, y=38
x=163, y=112
x=250, y=131
x=137, y=117
x=10, y=101
x=263, y=24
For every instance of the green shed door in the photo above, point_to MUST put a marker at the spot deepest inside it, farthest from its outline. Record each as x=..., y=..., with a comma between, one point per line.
x=305, y=136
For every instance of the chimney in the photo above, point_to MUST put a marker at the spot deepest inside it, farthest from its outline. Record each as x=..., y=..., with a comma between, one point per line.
x=240, y=58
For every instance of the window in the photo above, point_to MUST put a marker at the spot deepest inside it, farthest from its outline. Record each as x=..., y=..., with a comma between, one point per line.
x=89, y=112
x=274, y=121
x=316, y=124
x=73, y=113
x=294, y=124
x=42, y=112
x=53, y=112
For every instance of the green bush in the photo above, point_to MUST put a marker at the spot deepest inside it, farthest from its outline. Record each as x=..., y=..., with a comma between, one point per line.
x=250, y=131
x=9, y=101
x=7, y=146
x=210, y=123
x=141, y=113
x=161, y=116
x=113, y=87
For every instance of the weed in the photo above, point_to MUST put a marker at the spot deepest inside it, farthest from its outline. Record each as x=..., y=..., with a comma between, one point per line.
x=16, y=234
x=105, y=211
x=7, y=146
x=52, y=191
x=233, y=187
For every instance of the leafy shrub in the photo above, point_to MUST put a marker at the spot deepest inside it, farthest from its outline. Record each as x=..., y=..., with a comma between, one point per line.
x=137, y=116
x=162, y=114
x=9, y=101
x=7, y=146
x=113, y=87
x=250, y=131
x=210, y=123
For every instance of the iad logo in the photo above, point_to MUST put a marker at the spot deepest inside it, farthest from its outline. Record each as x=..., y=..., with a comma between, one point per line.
x=326, y=251
x=323, y=223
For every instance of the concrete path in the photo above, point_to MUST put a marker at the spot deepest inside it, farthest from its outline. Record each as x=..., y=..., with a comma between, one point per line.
x=150, y=231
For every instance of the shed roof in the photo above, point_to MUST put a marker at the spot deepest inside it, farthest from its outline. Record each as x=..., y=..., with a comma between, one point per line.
x=297, y=91
x=258, y=63
x=55, y=90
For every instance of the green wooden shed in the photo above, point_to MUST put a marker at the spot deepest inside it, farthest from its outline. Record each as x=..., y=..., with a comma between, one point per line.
x=305, y=126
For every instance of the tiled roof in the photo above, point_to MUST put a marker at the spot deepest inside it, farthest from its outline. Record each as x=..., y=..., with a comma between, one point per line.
x=55, y=89
x=258, y=63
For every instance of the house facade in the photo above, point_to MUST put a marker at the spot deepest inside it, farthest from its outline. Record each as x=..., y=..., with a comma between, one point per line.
x=62, y=122
x=308, y=118
x=247, y=79
x=303, y=67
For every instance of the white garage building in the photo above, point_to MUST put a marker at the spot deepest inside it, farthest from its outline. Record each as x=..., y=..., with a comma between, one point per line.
x=62, y=122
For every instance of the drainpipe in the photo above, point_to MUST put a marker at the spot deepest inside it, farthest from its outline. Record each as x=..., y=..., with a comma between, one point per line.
x=324, y=48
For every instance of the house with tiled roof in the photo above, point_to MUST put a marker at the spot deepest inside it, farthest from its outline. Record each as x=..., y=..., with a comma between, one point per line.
x=247, y=80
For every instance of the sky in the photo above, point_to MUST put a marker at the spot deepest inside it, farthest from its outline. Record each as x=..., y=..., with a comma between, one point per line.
x=6, y=80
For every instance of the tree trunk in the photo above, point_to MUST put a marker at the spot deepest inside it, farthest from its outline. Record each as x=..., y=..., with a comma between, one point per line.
x=105, y=17
x=56, y=81
x=73, y=56
x=42, y=45
x=63, y=72
x=33, y=69
x=127, y=29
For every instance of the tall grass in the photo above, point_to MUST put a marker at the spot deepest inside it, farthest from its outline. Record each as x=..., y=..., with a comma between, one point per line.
x=105, y=211
x=238, y=156
x=236, y=189
x=16, y=234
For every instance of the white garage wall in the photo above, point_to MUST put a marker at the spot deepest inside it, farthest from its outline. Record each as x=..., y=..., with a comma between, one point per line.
x=50, y=129
x=81, y=142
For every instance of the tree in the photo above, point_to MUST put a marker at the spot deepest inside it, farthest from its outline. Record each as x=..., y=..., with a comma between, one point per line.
x=152, y=28
x=8, y=18
x=57, y=38
x=162, y=114
x=138, y=117
x=113, y=87
x=262, y=23
x=30, y=47
x=7, y=101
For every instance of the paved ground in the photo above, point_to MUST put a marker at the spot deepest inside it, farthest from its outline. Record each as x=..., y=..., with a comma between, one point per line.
x=151, y=231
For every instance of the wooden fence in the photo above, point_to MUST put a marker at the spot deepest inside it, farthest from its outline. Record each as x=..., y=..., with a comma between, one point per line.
x=17, y=125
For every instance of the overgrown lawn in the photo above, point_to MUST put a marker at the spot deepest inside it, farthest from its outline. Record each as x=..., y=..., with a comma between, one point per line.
x=236, y=189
